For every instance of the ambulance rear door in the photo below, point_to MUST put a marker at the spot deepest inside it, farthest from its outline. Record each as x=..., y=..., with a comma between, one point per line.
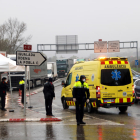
x=109, y=91
x=116, y=82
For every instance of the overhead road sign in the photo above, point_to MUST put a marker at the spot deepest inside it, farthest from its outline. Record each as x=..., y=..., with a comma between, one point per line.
x=100, y=47
x=27, y=47
x=113, y=46
x=136, y=62
x=66, y=44
x=30, y=58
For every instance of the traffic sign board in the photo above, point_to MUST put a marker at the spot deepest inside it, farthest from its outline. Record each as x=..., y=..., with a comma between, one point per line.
x=27, y=47
x=113, y=46
x=136, y=62
x=30, y=58
x=100, y=47
x=3, y=53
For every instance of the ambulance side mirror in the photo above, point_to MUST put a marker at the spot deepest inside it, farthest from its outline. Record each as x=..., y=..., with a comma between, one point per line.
x=63, y=83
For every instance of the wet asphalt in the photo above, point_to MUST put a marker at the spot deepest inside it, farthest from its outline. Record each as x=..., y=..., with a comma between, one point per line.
x=106, y=124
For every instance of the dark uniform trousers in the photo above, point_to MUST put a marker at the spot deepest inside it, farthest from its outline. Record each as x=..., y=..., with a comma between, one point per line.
x=22, y=100
x=48, y=105
x=3, y=101
x=80, y=109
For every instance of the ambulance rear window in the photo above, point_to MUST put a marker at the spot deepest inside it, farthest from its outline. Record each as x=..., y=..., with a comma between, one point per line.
x=115, y=77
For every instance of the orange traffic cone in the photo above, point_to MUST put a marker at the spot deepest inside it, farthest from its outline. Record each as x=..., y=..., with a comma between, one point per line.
x=20, y=92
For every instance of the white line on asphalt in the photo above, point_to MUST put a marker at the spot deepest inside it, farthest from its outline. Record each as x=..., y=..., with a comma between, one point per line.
x=63, y=124
x=61, y=113
x=56, y=81
x=41, y=111
x=38, y=107
x=56, y=106
x=87, y=115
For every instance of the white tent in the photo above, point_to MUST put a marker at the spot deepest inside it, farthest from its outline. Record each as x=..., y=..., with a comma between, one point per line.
x=8, y=65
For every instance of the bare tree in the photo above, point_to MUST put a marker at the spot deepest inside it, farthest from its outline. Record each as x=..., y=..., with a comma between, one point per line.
x=11, y=35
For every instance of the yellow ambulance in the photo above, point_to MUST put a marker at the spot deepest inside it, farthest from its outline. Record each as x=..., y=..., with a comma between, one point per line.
x=110, y=83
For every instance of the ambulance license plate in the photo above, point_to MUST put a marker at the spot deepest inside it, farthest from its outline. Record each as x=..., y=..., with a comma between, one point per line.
x=109, y=100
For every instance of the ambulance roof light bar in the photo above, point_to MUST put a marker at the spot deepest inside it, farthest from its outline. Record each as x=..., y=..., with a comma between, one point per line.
x=111, y=58
x=103, y=58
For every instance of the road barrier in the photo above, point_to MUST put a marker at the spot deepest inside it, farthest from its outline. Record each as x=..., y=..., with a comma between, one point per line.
x=134, y=72
x=31, y=120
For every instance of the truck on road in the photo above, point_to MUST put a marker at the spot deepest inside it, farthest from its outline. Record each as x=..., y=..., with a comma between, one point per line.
x=64, y=66
x=52, y=70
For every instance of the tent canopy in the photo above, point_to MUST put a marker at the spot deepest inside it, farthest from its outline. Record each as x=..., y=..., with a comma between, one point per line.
x=8, y=65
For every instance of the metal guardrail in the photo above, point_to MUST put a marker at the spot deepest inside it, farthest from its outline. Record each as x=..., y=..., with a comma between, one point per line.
x=134, y=72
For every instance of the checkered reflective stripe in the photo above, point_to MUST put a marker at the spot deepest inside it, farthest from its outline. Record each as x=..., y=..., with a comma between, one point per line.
x=93, y=104
x=71, y=103
x=113, y=62
x=119, y=100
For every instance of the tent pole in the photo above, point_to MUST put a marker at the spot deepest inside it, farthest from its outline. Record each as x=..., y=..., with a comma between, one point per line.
x=11, y=92
x=29, y=88
x=25, y=90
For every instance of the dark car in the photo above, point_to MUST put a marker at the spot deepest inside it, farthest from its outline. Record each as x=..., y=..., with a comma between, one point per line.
x=137, y=90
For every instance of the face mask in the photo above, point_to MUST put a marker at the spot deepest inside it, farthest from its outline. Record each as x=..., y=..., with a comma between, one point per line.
x=84, y=80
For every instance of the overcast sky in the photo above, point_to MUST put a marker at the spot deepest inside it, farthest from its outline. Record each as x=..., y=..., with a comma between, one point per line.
x=89, y=19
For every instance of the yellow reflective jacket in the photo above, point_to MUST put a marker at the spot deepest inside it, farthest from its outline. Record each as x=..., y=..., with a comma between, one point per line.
x=80, y=90
x=21, y=82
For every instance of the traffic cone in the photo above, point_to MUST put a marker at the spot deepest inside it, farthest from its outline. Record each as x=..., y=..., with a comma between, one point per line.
x=20, y=92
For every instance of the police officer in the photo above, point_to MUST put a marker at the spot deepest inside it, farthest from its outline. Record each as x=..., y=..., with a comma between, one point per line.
x=49, y=95
x=21, y=86
x=79, y=97
x=3, y=88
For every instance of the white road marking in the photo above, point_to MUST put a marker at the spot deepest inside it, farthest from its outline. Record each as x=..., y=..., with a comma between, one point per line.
x=56, y=106
x=63, y=124
x=38, y=107
x=61, y=113
x=90, y=116
x=56, y=81
x=41, y=111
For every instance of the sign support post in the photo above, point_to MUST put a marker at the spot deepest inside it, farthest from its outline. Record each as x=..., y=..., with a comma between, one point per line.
x=11, y=110
x=26, y=58
x=137, y=57
x=29, y=90
x=25, y=90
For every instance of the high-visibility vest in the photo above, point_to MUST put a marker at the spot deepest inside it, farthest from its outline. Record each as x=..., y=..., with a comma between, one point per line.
x=21, y=82
x=78, y=84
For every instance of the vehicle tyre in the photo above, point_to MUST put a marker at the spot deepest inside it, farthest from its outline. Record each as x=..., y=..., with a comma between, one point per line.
x=89, y=107
x=54, y=78
x=42, y=82
x=65, y=106
x=33, y=84
x=135, y=101
x=123, y=109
